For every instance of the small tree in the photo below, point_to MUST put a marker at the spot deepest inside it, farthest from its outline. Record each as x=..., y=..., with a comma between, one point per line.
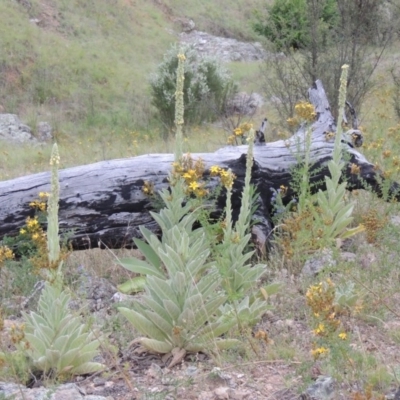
x=287, y=23
x=207, y=86
x=318, y=37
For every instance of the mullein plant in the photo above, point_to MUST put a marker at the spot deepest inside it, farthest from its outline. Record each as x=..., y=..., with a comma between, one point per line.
x=53, y=238
x=315, y=222
x=239, y=278
x=55, y=340
x=332, y=208
x=179, y=311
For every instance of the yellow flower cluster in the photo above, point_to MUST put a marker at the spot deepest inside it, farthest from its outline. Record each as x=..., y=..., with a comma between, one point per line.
x=354, y=169
x=321, y=298
x=238, y=132
x=304, y=111
x=319, y=351
x=191, y=171
x=373, y=223
x=34, y=231
x=227, y=176
x=5, y=254
x=148, y=188
x=41, y=204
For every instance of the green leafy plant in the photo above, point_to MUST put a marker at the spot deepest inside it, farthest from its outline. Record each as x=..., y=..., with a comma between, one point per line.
x=332, y=208
x=56, y=341
x=287, y=23
x=318, y=220
x=179, y=310
x=232, y=256
x=207, y=85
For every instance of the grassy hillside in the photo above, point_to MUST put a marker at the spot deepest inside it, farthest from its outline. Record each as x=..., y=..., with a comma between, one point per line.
x=84, y=67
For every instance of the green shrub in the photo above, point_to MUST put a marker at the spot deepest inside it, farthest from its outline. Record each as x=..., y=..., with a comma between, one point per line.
x=207, y=85
x=287, y=24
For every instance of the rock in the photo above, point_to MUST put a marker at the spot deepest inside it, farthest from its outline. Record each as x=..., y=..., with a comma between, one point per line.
x=12, y=130
x=245, y=104
x=206, y=396
x=347, y=256
x=119, y=297
x=185, y=24
x=366, y=260
x=395, y=220
x=97, y=291
x=224, y=49
x=239, y=394
x=222, y=393
x=320, y=260
x=44, y=131
x=68, y=391
x=322, y=389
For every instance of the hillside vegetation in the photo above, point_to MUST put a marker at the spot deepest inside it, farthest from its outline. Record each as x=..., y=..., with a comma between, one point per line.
x=88, y=62
x=271, y=329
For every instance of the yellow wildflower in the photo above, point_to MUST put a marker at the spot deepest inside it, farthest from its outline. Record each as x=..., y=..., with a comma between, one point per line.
x=320, y=351
x=214, y=170
x=305, y=111
x=35, y=236
x=238, y=131
x=343, y=335
x=22, y=231
x=32, y=222
x=246, y=127
x=194, y=185
x=189, y=174
x=320, y=330
x=5, y=254
x=292, y=121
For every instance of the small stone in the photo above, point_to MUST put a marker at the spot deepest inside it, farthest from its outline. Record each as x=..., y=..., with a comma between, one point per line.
x=239, y=394
x=289, y=323
x=346, y=256
x=191, y=370
x=99, y=382
x=222, y=393
x=205, y=396
x=319, y=261
x=322, y=389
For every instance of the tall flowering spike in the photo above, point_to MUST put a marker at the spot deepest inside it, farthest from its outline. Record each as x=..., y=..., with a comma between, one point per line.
x=342, y=102
x=53, y=240
x=179, y=105
x=245, y=209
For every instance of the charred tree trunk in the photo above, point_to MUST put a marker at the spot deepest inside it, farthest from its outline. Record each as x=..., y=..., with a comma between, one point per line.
x=103, y=204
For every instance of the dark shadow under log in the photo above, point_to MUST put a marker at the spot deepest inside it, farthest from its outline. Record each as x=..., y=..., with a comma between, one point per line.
x=103, y=204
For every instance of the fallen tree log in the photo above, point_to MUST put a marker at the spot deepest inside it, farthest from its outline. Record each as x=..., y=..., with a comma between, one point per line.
x=103, y=204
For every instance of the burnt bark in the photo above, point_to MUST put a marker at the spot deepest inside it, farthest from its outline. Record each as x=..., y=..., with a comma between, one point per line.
x=103, y=204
